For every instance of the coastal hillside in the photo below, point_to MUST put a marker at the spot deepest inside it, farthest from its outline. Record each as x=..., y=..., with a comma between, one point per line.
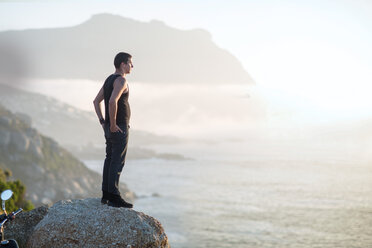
x=76, y=130
x=49, y=172
x=161, y=53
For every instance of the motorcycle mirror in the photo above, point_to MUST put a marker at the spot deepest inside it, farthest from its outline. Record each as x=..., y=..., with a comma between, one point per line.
x=6, y=194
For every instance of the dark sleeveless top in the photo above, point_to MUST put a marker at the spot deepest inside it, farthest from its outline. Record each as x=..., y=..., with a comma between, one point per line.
x=123, y=109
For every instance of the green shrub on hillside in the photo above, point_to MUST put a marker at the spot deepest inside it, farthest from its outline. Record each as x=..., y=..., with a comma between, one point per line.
x=19, y=190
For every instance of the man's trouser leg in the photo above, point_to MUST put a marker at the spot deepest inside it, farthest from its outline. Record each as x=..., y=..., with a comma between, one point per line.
x=119, y=145
x=106, y=165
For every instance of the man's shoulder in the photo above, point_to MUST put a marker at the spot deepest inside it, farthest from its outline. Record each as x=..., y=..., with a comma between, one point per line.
x=114, y=77
x=120, y=80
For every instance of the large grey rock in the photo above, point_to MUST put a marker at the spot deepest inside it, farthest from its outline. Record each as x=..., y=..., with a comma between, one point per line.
x=87, y=223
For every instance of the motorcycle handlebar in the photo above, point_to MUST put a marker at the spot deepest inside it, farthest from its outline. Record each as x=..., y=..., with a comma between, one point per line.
x=13, y=214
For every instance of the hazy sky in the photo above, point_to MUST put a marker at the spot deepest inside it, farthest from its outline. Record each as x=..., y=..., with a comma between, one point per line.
x=310, y=57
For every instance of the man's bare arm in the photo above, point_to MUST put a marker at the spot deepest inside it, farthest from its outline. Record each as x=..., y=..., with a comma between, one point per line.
x=97, y=104
x=120, y=85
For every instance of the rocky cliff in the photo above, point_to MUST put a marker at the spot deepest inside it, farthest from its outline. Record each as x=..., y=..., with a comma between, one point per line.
x=86, y=223
x=49, y=172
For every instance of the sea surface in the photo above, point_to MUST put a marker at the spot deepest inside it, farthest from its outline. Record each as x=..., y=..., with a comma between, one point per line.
x=231, y=198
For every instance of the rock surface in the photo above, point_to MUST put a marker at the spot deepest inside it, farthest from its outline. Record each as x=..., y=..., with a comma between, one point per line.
x=87, y=223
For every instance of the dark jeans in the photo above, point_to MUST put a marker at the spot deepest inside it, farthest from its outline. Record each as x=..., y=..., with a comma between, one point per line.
x=116, y=150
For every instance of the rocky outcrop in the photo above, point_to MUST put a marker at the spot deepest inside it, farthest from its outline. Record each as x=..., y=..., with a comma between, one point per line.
x=87, y=223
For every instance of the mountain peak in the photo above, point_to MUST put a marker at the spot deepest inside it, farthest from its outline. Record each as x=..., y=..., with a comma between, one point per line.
x=161, y=53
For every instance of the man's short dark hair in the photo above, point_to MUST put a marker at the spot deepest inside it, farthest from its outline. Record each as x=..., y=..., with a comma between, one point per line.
x=121, y=57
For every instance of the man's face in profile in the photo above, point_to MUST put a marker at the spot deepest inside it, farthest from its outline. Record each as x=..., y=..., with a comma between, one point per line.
x=128, y=66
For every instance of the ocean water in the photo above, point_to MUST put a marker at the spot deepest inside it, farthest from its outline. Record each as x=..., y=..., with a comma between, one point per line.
x=266, y=200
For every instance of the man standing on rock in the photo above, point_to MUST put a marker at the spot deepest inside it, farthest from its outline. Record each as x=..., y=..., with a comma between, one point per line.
x=115, y=93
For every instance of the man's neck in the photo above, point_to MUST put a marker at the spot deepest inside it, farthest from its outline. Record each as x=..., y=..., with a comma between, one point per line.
x=119, y=72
